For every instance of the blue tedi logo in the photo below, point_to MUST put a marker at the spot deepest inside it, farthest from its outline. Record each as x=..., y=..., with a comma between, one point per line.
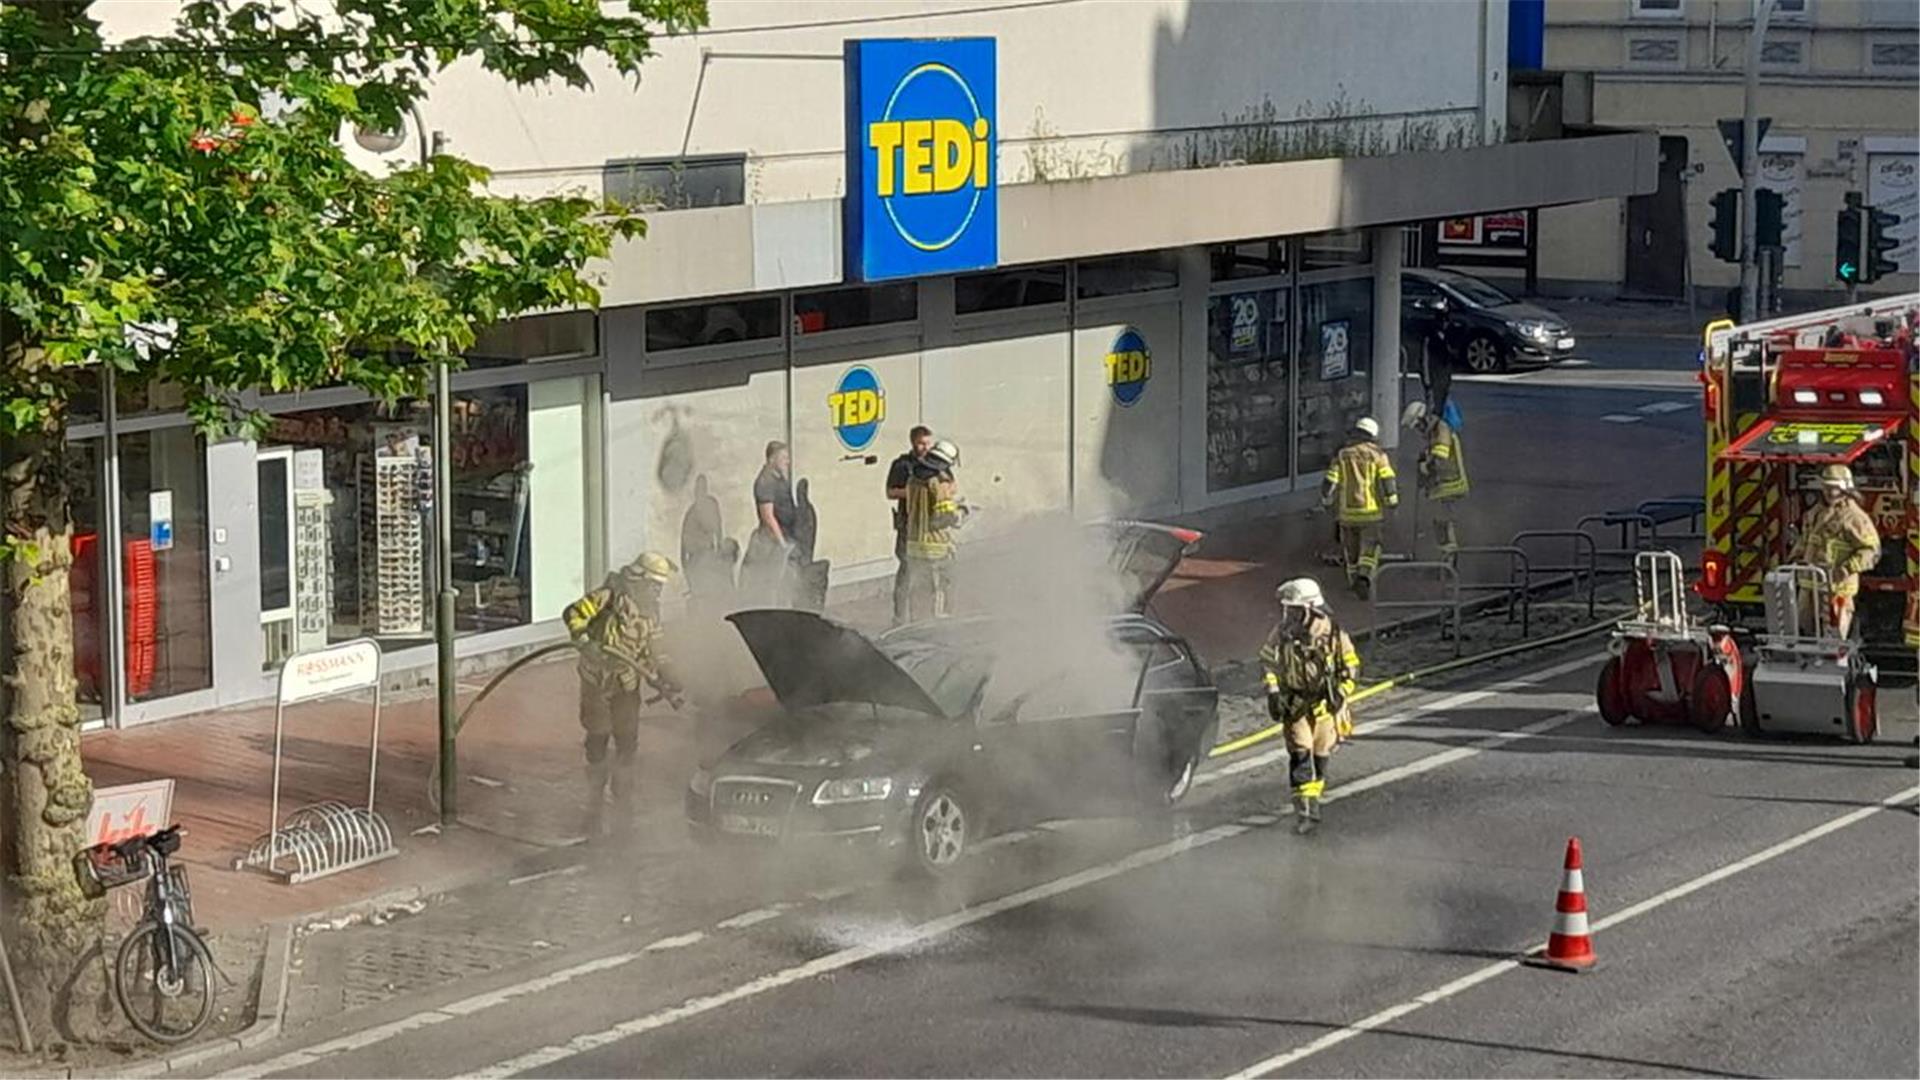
x=858, y=406
x=1129, y=366
x=921, y=135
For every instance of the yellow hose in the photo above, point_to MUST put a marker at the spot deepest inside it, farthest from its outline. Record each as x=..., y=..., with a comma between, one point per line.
x=1414, y=676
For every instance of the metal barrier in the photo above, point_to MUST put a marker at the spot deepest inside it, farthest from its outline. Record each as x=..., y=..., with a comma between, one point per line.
x=1450, y=603
x=1661, y=512
x=1578, y=537
x=1518, y=587
x=1636, y=532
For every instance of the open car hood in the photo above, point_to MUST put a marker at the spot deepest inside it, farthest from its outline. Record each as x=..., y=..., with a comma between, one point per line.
x=1142, y=555
x=811, y=660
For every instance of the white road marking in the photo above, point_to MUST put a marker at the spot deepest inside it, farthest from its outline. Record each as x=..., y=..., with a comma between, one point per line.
x=827, y=896
x=1657, y=407
x=1622, y=418
x=910, y=936
x=374, y=1035
x=558, y=871
x=1453, y=701
x=751, y=918
x=1472, y=979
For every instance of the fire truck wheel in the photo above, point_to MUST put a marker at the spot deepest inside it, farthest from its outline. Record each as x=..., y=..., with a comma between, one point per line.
x=1710, y=706
x=1864, y=708
x=1611, y=696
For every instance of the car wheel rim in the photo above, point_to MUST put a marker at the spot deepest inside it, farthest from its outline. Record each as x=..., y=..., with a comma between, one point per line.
x=1481, y=355
x=943, y=830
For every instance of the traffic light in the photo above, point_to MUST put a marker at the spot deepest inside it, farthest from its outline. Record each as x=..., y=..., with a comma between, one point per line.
x=1846, y=244
x=1878, y=264
x=1726, y=225
x=1767, y=208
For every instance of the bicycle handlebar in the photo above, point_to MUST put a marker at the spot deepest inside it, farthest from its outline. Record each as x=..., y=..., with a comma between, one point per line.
x=163, y=842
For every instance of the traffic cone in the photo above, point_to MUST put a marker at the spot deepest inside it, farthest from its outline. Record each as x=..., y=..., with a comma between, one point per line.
x=1570, y=946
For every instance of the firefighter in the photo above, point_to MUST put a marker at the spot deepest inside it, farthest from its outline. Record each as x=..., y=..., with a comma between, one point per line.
x=919, y=441
x=1310, y=667
x=933, y=512
x=1361, y=487
x=1840, y=537
x=1443, y=472
x=617, y=628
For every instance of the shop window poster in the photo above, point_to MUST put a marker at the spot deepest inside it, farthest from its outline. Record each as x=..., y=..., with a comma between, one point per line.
x=1333, y=350
x=1245, y=308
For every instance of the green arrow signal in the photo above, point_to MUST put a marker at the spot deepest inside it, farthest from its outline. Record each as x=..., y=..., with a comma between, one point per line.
x=1848, y=271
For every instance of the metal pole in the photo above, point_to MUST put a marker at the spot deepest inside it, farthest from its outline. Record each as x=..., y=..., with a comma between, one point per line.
x=1686, y=261
x=1853, y=287
x=1750, y=162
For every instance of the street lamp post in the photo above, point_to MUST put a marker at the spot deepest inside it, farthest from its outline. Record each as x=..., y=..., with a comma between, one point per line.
x=1750, y=162
x=380, y=142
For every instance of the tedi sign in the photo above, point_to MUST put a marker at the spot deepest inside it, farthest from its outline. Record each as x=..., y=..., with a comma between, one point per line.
x=922, y=129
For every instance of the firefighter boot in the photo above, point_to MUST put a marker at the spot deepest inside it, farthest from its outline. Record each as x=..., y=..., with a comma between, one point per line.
x=597, y=775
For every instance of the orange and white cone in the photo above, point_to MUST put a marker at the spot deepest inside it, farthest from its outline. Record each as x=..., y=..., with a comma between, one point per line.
x=1570, y=946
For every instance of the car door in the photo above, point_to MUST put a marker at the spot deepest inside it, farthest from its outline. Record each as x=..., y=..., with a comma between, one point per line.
x=1066, y=748
x=1178, y=705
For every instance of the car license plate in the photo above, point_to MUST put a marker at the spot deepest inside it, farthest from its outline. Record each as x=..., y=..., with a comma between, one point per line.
x=749, y=826
x=1564, y=344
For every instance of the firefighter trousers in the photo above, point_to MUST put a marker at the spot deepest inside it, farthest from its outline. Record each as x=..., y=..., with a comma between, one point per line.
x=1360, y=548
x=1446, y=530
x=1310, y=742
x=929, y=587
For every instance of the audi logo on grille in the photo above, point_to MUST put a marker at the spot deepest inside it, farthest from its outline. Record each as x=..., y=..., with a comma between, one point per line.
x=752, y=797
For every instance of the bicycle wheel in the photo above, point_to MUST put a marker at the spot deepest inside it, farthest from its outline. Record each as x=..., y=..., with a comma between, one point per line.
x=167, y=994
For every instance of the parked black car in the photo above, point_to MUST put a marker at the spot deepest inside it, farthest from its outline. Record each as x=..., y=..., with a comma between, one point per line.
x=1479, y=327
x=920, y=740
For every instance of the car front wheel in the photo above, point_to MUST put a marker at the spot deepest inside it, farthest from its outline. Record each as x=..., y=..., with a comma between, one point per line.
x=1485, y=355
x=941, y=827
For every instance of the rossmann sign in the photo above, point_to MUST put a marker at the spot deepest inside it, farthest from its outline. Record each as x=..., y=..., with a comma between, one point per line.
x=922, y=128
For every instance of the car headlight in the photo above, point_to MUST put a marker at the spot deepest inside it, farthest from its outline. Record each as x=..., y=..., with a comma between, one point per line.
x=701, y=783
x=858, y=789
x=1528, y=328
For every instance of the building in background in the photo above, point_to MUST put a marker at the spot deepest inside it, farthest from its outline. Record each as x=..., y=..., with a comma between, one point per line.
x=1153, y=273
x=1840, y=80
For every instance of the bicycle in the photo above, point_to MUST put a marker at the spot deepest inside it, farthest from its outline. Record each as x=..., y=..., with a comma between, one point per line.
x=164, y=956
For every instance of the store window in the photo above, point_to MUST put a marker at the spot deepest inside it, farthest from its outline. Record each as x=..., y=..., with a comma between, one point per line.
x=1334, y=372
x=164, y=563
x=564, y=335
x=1324, y=251
x=1027, y=286
x=692, y=325
x=1253, y=259
x=350, y=491
x=845, y=309
x=1248, y=343
x=87, y=578
x=1126, y=274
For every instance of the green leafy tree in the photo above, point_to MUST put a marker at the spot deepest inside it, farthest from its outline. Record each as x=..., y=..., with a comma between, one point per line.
x=180, y=207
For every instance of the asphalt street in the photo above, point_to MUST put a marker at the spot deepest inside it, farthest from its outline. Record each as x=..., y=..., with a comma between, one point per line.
x=1754, y=900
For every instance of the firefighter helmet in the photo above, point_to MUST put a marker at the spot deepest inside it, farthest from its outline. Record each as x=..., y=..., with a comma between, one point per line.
x=943, y=454
x=1367, y=426
x=1837, y=476
x=650, y=566
x=1300, y=592
x=1415, y=413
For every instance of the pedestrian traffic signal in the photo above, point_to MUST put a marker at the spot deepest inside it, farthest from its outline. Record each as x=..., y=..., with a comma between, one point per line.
x=1726, y=225
x=1768, y=209
x=1846, y=242
x=1878, y=262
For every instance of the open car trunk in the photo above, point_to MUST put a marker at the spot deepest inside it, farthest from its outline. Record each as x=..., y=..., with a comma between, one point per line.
x=1142, y=555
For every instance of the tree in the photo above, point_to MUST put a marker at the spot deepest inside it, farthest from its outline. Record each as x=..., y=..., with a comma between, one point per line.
x=180, y=207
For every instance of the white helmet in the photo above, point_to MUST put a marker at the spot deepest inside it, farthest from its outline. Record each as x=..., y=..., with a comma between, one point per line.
x=1367, y=426
x=1300, y=592
x=943, y=454
x=1416, y=411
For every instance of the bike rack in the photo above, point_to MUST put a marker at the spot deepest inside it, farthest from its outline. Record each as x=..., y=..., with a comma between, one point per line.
x=326, y=837
x=1692, y=509
x=1636, y=532
x=1518, y=587
x=1578, y=537
x=1450, y=602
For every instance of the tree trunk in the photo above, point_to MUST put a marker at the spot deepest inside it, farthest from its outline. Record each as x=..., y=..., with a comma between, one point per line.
x=47, y=792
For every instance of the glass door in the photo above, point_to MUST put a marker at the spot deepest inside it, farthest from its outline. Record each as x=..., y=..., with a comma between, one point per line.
x=275, y=473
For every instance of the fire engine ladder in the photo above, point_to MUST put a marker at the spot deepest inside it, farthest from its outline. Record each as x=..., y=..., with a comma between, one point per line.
x=1807, y=327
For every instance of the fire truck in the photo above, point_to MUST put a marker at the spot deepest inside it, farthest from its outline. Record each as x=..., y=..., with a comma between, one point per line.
x=1785, y=397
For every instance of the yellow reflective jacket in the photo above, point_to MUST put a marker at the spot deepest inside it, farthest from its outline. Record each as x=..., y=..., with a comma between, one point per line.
x=1443, y=468
x=1360, y=484
x=1842, y=538
x=933, y=509
x=625, y=635
x=1307, y=669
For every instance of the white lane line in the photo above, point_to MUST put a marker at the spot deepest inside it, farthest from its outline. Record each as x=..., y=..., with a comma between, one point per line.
x=1454, y=701
x=1466, y=982
x=1657, y=407
x=1622, y=418
x=828, y=896
x=370, y=1036
x=558, y=871
x=910, y=936
x=751, y=918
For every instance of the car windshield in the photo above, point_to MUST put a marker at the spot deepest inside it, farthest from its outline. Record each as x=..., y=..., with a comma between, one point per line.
x=1479, y=293
x=952, y=677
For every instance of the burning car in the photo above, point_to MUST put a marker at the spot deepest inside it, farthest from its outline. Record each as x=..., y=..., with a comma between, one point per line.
x=920, y=740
